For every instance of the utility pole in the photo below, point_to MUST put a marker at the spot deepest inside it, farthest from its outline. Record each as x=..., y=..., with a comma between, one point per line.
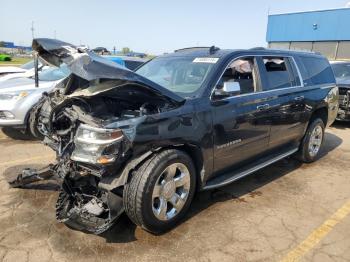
x=32, y=29
x=114, y=50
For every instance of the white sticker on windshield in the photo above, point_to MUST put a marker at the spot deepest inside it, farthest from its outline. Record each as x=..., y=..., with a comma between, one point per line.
x=210, y=60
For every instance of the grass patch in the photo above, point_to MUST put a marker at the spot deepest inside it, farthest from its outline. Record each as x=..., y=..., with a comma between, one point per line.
x=16, y=61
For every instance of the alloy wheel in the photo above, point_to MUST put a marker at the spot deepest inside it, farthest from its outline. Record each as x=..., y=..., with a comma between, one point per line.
x=171, y=191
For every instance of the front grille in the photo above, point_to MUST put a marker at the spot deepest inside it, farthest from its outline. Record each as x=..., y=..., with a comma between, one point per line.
x=344, y=97
x=2, y=115
x=343, y=90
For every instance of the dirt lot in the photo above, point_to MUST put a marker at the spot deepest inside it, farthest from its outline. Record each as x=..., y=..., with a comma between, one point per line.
x=287, y=212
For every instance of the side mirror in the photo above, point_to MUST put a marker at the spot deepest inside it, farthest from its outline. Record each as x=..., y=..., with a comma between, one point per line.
x=228, y=89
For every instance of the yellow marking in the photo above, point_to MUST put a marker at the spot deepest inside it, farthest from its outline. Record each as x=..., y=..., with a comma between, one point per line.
x=24, y=160
x=317, y=235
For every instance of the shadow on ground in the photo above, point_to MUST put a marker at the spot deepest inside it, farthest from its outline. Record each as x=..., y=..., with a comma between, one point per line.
x=341, y=125
x=16, y=134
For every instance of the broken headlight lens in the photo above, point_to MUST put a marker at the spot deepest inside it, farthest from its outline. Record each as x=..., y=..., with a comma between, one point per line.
x=96, y=145
x=15, y=95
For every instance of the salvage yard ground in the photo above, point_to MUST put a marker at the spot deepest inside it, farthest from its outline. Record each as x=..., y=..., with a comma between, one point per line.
x=285, y=212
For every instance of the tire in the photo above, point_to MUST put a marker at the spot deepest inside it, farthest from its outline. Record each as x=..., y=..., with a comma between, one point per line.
x=32, y=124
x=151, y=191
x=305, y=154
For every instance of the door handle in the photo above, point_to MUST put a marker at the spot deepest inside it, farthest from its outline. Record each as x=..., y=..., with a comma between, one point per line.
x=299, y=98
x=263, y=107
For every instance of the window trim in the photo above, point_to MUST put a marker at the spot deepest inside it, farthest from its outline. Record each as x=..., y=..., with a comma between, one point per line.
x=211, y=97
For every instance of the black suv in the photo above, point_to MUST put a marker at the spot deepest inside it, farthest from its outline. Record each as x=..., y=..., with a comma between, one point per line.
x=144, y=142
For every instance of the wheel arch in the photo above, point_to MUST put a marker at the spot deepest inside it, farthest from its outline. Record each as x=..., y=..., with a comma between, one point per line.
x=123, y=177
x=321, y=112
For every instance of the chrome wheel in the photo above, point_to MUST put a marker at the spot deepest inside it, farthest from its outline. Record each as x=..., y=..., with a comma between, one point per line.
x=171, y=191
x=315, y=141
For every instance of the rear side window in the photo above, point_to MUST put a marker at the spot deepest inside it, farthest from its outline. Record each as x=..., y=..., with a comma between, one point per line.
x=279, y=73
x=319, y=70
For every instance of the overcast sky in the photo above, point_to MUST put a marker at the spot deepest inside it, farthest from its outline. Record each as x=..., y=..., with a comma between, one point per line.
x=152, y=26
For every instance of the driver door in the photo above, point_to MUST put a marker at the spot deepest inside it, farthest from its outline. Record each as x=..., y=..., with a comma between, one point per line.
x=240, y=119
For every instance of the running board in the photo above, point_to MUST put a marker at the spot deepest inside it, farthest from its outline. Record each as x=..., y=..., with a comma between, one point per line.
x=232, y=176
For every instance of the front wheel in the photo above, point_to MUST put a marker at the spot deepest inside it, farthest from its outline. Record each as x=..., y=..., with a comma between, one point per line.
x=33, y=123
x=160, y=191
x=312, y=142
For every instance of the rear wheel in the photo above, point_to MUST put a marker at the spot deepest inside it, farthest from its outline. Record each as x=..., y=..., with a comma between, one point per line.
x=312, y=142
x=160, y=191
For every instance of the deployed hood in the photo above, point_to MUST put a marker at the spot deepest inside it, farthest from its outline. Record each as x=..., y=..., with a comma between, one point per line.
x=89, y=66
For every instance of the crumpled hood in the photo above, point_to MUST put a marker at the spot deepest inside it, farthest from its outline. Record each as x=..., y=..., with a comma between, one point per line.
x=89, y=66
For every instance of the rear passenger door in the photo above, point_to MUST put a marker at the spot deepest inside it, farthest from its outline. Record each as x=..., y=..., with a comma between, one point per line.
x=282, y=85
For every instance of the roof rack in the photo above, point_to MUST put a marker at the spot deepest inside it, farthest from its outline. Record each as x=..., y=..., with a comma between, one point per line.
x=258, y=48
x=212, y=49
x=188, y=48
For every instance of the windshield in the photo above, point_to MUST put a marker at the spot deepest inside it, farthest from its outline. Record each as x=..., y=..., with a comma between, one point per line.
x=341, y=70
x=30, y=65
x=182, y=75
x=54, y=73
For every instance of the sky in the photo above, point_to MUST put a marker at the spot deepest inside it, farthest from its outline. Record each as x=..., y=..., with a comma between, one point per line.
x=152, y=26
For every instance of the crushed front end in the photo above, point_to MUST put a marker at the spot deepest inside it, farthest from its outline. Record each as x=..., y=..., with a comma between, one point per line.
x=90, y=121
x=344, y=103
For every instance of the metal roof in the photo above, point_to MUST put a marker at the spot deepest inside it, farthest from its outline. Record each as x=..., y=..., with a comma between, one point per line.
x=324, y=25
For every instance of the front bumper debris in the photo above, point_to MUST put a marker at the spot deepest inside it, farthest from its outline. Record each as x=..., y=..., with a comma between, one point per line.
x=29, y=176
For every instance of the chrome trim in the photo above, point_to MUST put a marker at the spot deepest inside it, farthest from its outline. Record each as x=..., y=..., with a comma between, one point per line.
x=260, y=92
x=251, y=170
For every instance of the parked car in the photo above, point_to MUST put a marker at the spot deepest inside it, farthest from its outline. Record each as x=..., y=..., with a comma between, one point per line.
x=342, y=74
x=26, y=70
x=4, y=57
x=144, y=142
x=19, y=95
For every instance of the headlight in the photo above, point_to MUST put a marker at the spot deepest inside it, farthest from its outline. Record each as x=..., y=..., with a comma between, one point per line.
x=14, y=96
x=96, y=145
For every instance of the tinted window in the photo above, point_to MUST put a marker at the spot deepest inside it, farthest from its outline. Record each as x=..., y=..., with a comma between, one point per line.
x=278, y=73
x=319, y=70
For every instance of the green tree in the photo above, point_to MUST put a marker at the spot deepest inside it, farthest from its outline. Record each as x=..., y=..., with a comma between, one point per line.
x=126, y=50
x=2, y=44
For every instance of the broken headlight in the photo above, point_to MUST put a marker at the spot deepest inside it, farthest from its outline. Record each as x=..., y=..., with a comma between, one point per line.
x=96, y=145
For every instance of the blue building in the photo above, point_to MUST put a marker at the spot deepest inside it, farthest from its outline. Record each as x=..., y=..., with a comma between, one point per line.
x=326, y=31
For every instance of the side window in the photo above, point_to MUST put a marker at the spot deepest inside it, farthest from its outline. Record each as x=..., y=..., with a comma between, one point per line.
x=241, y=71
x=279, y=73
x=319, y=70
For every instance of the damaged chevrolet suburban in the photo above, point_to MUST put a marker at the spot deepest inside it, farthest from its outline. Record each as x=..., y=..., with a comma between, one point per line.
x=144, y=142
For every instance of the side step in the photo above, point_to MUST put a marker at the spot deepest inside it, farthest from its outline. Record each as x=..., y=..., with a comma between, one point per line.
x=232, y=176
